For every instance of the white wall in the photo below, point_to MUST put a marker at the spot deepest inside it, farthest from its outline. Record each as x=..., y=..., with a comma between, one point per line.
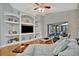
x=70, y=16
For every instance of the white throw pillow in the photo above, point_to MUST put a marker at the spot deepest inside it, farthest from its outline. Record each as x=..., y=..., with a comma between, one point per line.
x=62, y=45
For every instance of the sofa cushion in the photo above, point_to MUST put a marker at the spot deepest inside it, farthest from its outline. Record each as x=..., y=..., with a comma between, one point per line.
x=62, y=45
x=72, y=50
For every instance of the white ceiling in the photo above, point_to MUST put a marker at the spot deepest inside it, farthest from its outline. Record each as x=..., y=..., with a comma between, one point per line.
x=55, y=7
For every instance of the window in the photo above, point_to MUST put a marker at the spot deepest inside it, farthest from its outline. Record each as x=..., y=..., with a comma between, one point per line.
x=57, y=28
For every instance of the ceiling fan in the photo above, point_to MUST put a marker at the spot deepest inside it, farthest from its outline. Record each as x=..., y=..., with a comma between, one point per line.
x=41, y=6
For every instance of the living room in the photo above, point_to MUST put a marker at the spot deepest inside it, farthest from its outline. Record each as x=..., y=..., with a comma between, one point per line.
x=24, y=23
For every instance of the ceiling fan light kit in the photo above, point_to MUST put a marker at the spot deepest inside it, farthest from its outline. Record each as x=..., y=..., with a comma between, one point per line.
x=41, y=7
x=41, y=10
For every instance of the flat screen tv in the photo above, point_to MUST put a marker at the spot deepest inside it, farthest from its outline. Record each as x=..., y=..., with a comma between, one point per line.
x=26, y=29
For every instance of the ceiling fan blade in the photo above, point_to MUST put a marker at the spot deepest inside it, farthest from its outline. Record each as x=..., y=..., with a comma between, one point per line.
x=48, y=7
x=37, y=3
x=35, y=8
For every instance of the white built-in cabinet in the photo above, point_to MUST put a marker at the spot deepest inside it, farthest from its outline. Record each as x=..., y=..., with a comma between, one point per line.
x=12, y=24
x=11, y=21
x=38, y=26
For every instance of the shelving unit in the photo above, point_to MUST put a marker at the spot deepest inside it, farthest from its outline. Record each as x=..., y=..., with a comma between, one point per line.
x=26, y=33
x=38, y=27
x=13, y=23
x=27, y=24
x=11, y=35
x=26, y=21
x=10, y=22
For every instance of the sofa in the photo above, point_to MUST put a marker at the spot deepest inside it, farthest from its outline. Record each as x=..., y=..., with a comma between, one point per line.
x=65, y=47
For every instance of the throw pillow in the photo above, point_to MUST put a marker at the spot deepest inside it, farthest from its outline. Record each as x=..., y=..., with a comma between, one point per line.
x=61, y=46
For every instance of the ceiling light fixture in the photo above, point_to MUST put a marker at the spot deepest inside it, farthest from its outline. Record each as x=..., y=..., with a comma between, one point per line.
x=41, y=10
x=41, y=7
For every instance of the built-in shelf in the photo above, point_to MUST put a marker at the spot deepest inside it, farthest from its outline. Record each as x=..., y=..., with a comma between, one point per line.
x=29, y=24
x=26, y=33
x=12, y=34
x=10, y=22
x=13, y=23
